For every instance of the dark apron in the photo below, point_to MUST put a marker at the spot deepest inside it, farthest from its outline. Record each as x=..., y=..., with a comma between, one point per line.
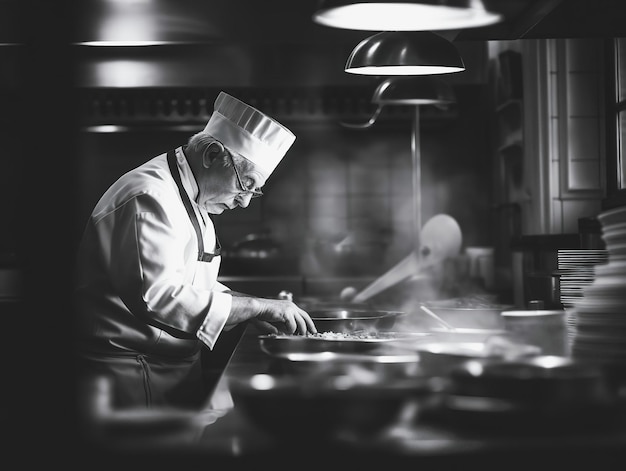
x=147, y=381
x=214, y=361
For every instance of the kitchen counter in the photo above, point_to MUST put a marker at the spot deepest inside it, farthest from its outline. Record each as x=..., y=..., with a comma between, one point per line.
x=236, y=443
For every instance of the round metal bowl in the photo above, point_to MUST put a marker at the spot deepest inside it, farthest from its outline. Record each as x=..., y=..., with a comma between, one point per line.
x=326, y=408
x=385, y=362
x=352, y=320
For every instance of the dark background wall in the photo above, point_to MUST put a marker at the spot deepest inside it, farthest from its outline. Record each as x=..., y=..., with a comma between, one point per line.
x=334, y=180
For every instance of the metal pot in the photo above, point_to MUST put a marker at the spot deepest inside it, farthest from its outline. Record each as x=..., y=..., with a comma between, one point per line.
x=255, y=246
x=257, y=253
x=359, y=253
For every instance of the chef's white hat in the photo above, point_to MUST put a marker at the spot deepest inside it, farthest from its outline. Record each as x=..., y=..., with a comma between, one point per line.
x=248, y=132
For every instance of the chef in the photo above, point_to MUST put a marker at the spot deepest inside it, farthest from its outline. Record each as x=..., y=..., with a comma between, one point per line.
x=147, y=299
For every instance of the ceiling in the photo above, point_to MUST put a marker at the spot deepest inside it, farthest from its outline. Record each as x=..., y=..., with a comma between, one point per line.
x=264, y=42
x=290, y=20
x=543, y=19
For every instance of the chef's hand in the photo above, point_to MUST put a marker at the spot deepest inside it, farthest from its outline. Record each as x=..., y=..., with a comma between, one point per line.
x=272, y=316
x=281, y=316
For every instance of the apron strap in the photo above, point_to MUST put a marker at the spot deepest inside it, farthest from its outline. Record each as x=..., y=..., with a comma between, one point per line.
x=202, y=255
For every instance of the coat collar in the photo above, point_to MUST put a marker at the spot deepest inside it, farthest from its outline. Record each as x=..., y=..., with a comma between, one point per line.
x=186, y=175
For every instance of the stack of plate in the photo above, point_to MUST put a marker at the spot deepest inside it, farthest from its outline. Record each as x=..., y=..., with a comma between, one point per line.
x=601, y=311
x=576, y=271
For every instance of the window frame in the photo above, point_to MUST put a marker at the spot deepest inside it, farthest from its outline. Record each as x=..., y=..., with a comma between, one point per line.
x=615, y=159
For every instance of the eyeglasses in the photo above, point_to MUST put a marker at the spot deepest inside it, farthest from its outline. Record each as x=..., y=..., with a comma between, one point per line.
x=253, y=192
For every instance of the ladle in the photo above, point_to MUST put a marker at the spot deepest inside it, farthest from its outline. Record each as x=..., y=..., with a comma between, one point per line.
x=440, y=238
x=437, y=318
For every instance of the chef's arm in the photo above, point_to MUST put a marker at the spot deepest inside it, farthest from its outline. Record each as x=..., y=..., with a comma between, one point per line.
x=271, y=315
x=150, y=275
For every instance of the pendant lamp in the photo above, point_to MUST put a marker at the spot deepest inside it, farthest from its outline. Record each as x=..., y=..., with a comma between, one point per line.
x=399, y=15
x=404, y=53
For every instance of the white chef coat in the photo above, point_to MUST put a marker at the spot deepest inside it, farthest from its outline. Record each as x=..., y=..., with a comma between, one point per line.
x=139, y=285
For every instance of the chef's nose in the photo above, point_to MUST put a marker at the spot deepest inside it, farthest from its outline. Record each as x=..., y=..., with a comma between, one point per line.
x=243, y=199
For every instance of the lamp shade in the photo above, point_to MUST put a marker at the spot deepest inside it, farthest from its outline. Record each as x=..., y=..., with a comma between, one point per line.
x=407, y=15
x=413, y=91
x=404, y=53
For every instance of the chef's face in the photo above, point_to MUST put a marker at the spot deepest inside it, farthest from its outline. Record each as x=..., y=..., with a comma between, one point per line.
x=223, y=186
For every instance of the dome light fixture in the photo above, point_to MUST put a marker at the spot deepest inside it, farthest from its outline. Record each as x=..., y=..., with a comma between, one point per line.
x=398, y=15
x=404, y=53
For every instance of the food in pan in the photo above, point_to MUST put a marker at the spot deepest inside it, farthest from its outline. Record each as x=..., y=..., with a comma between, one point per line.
x=356, y=335
x=330, y=335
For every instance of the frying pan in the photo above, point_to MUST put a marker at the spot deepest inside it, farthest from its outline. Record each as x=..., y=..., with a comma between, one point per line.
x=352, y=320
x=312, y=303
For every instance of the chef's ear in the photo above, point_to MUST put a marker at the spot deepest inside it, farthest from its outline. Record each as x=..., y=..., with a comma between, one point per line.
x=212, y=151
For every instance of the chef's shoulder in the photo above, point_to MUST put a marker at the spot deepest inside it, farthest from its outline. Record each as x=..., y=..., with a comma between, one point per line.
x=144, y=188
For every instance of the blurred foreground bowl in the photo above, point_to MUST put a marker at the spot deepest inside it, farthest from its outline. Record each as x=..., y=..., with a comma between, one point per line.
x=546, y=381
x=384, y=364
x=324, y=408
x=536, y=395
x=440, y=358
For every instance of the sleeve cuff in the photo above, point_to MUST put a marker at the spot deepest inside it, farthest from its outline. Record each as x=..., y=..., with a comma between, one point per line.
x=215, y=319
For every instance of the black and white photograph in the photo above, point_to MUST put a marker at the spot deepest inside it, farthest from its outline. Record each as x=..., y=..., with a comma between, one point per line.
x=313, y=234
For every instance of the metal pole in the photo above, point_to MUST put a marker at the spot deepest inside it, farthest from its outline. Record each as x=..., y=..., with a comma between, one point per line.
x=417, y=184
